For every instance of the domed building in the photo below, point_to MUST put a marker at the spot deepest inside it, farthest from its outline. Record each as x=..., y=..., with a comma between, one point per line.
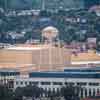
x=40, y=57
x=50, y=33
x=50, y=30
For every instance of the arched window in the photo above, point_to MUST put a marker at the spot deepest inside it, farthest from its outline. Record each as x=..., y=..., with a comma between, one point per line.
x=90, y=94
x=94, y=92
x=98, y=91
x=85, y=92
x=46, y=92
x=81, y=92
x=58, y=93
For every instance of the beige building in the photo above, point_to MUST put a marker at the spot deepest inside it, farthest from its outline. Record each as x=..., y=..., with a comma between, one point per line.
x=34, y=57
x=90, y=57
x=45, y=58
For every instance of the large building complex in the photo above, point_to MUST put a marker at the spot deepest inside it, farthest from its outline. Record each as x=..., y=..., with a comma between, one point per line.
x=50, y=68
x=50, y=65
x=36, y=57
x=44, y=57
x=88, y=79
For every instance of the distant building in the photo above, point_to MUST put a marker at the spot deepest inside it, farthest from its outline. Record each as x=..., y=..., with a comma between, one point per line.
x=43, y=57
x=7, y=77
x=44, y=4
x=90, y=3
x=96, y=9
x=63, y=4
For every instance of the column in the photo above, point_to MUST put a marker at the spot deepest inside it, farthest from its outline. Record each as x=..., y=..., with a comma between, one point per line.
x=87, y=92
x=91, y=91
x=84, y=93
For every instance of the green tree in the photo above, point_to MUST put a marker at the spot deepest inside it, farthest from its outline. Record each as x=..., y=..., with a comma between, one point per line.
x=32, y=91
x=5, y=93
x=28, y=91
x=70, y=92
x=18, y=94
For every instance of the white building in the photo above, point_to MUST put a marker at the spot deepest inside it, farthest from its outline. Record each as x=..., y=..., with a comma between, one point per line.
x=87, y=79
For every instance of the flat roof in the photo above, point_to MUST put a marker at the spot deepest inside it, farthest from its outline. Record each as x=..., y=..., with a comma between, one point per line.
x=26, y=48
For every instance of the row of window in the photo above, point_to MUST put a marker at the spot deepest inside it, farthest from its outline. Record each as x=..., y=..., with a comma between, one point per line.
x=36, y=83
x=65, y=75
x=57, y=83
x=83, y=83
x=82, y=70
x=9, y=73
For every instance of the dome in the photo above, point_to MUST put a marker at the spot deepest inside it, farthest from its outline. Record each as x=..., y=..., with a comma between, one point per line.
x=50, y=28
x=50, y=32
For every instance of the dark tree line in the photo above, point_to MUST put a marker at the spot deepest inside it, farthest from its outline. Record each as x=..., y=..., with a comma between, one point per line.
x=71, y=92
x=68, y=92
x=82, y=25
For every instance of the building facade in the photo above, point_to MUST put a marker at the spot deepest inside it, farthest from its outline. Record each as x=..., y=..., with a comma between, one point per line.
x=7, y=77
x=87, y=79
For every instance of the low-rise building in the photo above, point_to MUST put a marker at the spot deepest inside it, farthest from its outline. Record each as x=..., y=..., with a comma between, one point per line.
x=8, y=76
x=87, y=79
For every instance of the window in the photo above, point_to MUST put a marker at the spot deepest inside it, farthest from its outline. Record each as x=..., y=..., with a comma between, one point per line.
x=81, y=83
x=10, y=84
x=16, y=83
x=94, y=84
x=45, y=83
x=35, y=83
x=94, y=92
x=21, y=83
x=69, y=83
x=90, y=93
x=98, y=91
x=66, y=83
x=25, y=83
x=30, y=83
x=57, y=83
